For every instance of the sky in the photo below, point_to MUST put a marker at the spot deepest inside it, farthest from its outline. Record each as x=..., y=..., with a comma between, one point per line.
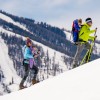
x=60, y=13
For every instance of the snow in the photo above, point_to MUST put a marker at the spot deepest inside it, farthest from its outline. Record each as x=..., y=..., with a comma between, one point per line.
x=8, y=19
x=1, y=89
x=7, y=64
x=82, y=83
x=13, y=87
x=68, y=36
x=8, y=32
x=97, y=49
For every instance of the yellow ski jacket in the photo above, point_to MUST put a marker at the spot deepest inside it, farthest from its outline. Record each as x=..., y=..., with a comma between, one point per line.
x=85, y=32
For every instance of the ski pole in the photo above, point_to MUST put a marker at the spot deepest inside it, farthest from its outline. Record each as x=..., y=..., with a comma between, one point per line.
x=90, y=51
x=84, y=58
x=95, y=32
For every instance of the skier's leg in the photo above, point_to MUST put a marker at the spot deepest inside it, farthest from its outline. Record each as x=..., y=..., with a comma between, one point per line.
x=34, y=81
x=36, y=71
x=25, y=76
x=87, y=45
x=80, y=48
x=88, y=56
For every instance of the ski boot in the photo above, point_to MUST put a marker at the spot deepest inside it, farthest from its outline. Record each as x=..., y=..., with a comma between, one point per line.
x=74, y=65
x=21, y=86
x=34, y=81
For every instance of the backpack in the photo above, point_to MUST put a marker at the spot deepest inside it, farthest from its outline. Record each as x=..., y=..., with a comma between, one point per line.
x=75, y=33
x=73, y=28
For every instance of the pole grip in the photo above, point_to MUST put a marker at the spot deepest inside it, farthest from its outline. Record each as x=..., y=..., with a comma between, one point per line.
x=95, y=31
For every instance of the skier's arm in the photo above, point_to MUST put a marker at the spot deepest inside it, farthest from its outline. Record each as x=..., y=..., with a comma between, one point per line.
x=91, y=38
x=91, y=31
x=36, y=55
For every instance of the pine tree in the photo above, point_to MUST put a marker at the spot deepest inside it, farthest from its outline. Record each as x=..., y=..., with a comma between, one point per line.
x=53, y=64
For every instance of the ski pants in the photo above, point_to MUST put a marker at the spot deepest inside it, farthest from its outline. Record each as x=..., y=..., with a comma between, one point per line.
x=27, y=69
x=80, y=48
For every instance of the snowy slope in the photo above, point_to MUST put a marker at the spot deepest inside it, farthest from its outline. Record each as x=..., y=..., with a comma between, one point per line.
x=8, y=19
x=82, y=83
x=7, y=64
x=1, y=89
x=7, y=68
x=68, y=36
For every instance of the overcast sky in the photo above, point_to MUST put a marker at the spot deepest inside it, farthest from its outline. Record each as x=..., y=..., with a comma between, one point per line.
x=59, y=13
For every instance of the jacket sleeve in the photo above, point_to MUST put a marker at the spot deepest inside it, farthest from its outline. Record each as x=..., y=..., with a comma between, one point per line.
x=27, y=54
x=91, y=31
x=91, y=38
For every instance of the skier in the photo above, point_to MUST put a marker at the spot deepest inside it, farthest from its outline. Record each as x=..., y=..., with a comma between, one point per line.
x=76, y=29
x=28, y=63
x=84, y=37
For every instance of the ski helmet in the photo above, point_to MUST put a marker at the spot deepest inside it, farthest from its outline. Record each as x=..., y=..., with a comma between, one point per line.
x=88, y=20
